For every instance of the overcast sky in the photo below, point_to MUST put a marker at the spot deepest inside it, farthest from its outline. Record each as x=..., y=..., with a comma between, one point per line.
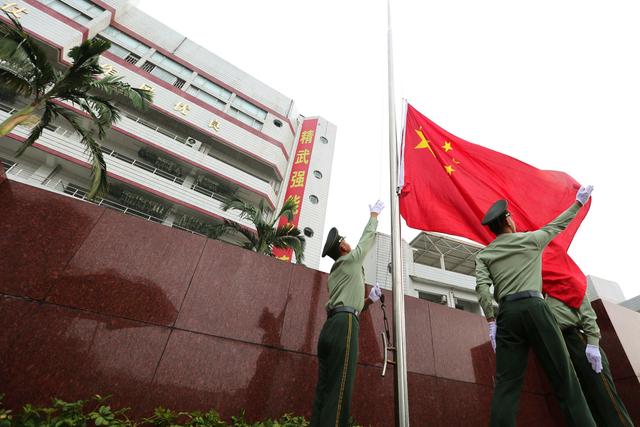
x=555, y=84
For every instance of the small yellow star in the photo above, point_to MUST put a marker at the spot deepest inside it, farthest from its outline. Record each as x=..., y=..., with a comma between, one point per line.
x=424, y=142
x=449, y=169
x=447, y=147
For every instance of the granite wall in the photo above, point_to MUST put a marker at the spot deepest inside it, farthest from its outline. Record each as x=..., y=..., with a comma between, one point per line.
x=94, y=301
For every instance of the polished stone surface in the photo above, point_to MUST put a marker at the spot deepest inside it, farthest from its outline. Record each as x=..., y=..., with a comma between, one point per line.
x=131, y=268
x=156, y=316
x=40, y=233
x=3, y=176
x=238, y=294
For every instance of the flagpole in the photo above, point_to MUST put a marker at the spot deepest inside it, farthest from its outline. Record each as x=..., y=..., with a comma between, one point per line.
x=396, y=248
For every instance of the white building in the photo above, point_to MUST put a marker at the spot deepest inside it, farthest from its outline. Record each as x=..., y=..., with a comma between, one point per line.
x=441, y=268
x=212, y=127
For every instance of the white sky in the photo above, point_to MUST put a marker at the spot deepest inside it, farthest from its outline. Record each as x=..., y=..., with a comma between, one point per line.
x=553, y=83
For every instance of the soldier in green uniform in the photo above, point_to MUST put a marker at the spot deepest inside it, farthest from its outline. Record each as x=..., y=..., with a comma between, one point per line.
x=512, y=264
x=338, y=342
x=582, y=336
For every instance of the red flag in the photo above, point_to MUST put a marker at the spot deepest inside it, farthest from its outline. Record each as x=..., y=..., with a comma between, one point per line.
x=450, y=183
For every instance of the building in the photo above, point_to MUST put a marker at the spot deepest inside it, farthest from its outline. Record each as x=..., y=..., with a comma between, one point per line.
x=212, y=130
x=441, y=268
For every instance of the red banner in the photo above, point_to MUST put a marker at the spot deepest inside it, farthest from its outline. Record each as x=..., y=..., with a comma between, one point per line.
x=298, y=178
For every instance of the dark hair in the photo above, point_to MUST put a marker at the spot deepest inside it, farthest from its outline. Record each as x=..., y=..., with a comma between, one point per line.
x=497, y=225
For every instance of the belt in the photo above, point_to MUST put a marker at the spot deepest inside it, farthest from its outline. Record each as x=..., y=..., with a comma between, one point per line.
x=342, y=309
x=571, y=330
x=521, y=295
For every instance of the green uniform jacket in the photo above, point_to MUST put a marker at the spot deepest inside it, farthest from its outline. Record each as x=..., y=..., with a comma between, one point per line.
x=513, y=261
x=346, y=280
x=583, y=318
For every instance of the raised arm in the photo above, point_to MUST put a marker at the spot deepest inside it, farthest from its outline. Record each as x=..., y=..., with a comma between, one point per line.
x=368, y=235
x=544, y=235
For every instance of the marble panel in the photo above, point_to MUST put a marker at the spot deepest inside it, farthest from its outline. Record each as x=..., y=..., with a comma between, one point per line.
x=40, y=232
x=626, y=323
x=238, y=294
x=461, y=346
x=612, y=341
x=15, y=312
x=305, y=313
x=464, y=404
x=372, y=401
x=425, y=403
x=420, y=352
x=3, y=176
x=231, y=376
x=75, y=354
x=132, y=268
x=629, y=391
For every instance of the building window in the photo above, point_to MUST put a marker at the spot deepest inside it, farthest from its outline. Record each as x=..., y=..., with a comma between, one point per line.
x=317, y=174
x=87, y=6
x=324, y=140
x=277, y=123
x=68, y=11
x=125, y=41
x=439, y=299
x=205, y=96
x=313, y=199
x=249, y=108
x=245, y=118
x=308, y=232
x=170, y=65
x=212, y=88
x=131, y=58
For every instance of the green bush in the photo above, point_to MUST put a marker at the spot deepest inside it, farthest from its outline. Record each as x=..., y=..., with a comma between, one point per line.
x=96, y=412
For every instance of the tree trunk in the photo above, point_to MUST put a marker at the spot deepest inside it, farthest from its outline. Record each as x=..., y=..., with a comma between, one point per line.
x=15, y=119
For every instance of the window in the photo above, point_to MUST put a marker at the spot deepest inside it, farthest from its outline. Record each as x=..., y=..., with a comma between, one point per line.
x=248, y=107
x=132, y=58
x=67, y=11
x=86, y=6
x=124, y=40
x=308, y=232
x=171, y=65
x=277, y=123
x=206, y=97
x=313, y=199
x=324, y=140
x=245, y=118
x=212, y=88
x=317, y=174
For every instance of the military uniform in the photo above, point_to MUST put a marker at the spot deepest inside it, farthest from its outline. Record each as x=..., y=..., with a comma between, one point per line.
x=338, y=342
x=512, y=263
x=579, y=328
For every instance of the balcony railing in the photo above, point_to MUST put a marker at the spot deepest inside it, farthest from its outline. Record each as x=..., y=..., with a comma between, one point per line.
x=141, y=165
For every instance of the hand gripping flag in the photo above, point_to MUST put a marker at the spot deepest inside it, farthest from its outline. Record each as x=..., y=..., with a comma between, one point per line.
x=450, y=183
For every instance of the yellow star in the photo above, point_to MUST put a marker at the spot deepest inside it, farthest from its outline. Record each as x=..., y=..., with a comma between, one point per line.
x=447, y=147
x=449, y=169
x=424, y=142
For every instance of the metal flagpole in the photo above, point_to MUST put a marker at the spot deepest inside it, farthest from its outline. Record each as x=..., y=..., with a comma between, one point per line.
x=396, y=248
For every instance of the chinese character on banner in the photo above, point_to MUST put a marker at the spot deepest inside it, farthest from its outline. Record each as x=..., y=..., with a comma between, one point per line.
x=182, y=107
x=215, y=125
x=302, y=156
x=13, y=9
x=296, y=199
x=306, y=137
x=297, y=179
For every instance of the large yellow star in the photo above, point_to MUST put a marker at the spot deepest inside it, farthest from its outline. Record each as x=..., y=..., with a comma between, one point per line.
x=447, y=147
x=449, y=169
x=424, y=142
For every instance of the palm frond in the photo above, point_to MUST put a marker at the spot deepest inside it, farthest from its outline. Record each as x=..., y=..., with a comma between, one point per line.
x=113, y=85
x=234, y=227
x=289, y=237
x=99, y=184
x=85, y=56
x=289, y=207
x=14, y=82
x=36, y=132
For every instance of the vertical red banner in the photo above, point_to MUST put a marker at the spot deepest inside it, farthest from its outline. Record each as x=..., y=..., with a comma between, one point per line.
x=298, y=177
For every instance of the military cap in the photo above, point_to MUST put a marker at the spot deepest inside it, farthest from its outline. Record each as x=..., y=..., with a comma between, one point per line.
x=496, y=210
x=332, y=245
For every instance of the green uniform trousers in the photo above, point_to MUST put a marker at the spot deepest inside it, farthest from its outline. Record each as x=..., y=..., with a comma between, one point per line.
x=529, y=323
x=338, y=357
x=599, y=389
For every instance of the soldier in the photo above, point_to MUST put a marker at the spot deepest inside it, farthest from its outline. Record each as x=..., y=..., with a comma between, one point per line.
x=338, y=342
x=512, y=263
x=582, y=336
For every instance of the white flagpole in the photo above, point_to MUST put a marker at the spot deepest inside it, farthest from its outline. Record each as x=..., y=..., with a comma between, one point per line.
x=396, y=249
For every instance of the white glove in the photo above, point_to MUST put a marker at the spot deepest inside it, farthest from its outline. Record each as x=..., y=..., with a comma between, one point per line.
x=492, y=335
x=375, y=293
x=594, y=357
x=377, y=207
x=583, y=194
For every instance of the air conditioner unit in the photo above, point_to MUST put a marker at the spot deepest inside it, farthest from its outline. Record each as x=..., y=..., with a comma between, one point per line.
x=193, y=143
x=443, y=300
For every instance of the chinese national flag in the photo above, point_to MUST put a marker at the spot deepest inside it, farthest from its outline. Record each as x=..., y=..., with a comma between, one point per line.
x=450, y=183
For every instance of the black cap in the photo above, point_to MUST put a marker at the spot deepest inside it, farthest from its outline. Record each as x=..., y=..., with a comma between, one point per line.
x=332, y=245
x=496, y=210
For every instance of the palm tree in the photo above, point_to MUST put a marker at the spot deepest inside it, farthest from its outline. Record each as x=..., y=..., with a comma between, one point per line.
x=26, y=71
x=268, y=234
